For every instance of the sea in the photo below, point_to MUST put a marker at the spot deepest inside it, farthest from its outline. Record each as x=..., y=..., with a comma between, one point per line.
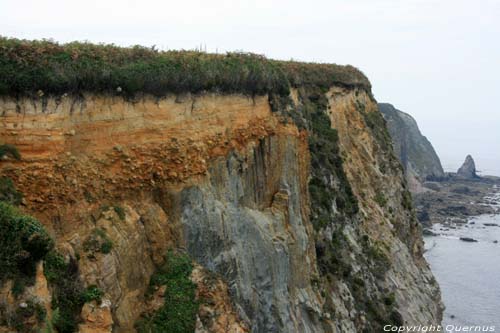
x=468, y=272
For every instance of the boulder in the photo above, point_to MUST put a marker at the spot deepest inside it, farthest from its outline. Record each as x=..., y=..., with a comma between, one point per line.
x=468, y=239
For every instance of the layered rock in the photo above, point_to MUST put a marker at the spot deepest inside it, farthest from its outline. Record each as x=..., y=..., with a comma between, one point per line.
x=226, y=178
x=418, y=157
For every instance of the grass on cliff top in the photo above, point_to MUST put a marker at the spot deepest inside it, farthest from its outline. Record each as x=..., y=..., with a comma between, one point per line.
x=48, y=68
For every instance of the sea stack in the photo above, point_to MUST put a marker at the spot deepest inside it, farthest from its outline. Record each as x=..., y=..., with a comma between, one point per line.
x=468, y=169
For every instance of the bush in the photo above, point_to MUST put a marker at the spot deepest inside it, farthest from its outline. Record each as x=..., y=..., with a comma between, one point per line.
x=9, y=150
x=178, y=314
x=23, y=242
x=68, y=294
x=54, y=267
x=92, y=293
x=8, y=192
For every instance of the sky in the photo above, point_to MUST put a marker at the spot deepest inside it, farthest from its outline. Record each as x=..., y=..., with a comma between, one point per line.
x=438, y=60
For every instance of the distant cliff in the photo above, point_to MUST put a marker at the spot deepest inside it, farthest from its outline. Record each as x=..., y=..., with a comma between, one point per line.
x=418, y=157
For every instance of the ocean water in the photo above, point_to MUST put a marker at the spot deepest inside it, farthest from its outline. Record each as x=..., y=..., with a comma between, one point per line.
x=468, y=273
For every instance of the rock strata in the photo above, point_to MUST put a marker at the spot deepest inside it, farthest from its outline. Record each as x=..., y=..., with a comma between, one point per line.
x=294, y=208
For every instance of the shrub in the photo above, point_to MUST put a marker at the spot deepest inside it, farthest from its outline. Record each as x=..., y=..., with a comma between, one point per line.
x=178, y=314
x=54, y=266
x=9, y=150
x=68, y=295
x=92, y=293
x=8, y=192
x=23, y=242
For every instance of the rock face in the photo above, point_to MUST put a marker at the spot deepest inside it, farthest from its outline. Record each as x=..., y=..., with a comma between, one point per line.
x=468, y=169
x=415, y=152
x=226, y=178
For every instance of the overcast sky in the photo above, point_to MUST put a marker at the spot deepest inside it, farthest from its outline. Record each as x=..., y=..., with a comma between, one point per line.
x=438, y=60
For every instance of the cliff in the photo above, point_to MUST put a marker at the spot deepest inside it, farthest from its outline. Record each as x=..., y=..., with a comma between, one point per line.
x=216, y=211
x=415, y=152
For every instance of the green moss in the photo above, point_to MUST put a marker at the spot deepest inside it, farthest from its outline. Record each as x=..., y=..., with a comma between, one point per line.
x=44, y=67
x=178, y=314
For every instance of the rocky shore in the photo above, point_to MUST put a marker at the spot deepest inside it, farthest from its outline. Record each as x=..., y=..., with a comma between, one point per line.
x=454, y=200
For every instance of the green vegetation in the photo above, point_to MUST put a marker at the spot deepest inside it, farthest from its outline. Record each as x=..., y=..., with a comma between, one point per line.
x=25, y=318
x=9, y=150
x=328, y=200
x=390, y=299
x=335, y=263
x=178, y=314
x=8, y=192
x=120, y=212
x=47, y=68
x=380, y=199
x=376, y=122
x=98, y=241
x=407, y=200
x=333, y=257
x=23, y=242
x=92, y=293
x=68, y=295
